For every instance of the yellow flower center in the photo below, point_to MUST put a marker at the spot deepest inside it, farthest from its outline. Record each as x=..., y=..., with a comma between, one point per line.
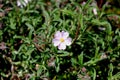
x=62, y=40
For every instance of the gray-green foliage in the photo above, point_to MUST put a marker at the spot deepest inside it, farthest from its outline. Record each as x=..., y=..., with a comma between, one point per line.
x=28, y=34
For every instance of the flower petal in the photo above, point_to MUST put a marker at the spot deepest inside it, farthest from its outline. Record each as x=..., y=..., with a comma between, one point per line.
x=62, y=46
x=56, y=42
x=68, y=41
x=26, y=1
x=58, y=35
x=65, y=34
x=95, y=11
x=19, y=3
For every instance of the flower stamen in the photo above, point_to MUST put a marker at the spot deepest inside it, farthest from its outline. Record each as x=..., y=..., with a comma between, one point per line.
x=62, y=40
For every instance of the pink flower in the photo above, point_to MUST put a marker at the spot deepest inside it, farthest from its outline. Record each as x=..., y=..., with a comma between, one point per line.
x=61, y=39
x=95, y=11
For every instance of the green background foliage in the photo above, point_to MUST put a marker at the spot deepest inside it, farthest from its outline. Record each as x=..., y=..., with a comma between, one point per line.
x=27, y=51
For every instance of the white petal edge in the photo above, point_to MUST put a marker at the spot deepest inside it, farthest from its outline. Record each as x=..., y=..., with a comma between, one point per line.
x=68, y=41
x=57, y=35
x=55, y=42
x=62, y=46
x=65, y=34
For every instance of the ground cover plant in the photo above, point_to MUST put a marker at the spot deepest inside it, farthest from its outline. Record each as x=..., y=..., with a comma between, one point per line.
x=59, y=39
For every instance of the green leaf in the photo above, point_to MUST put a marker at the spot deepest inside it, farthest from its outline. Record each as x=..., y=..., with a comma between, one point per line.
x=57, y=67
x=29, y=26
x=94, y=74
x=64, y=53
x=80, y=59
x=46, y=15
x=74, y=61
x=29, y=51
x=110, y=75
x=68, y=12
x=12, y=24
x=1, y=32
